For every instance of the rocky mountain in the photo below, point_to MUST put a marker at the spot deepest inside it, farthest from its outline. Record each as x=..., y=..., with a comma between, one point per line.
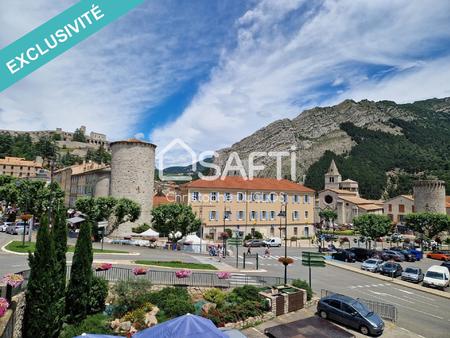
x=346, y=131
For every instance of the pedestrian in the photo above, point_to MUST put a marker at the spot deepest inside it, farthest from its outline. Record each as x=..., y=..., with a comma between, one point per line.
x=249, y=251
x=267, y=253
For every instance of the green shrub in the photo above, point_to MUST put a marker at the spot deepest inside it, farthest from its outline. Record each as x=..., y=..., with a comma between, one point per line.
x=301, y=284
x=136, y=317
x=175, y=308
x=141, y=228
x=243, y=293
x=98, y=294
x=130, y=295
x=215, y=295
x=98, y=323
x=339, y=232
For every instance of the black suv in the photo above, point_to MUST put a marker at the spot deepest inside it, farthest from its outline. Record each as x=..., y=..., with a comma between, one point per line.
x=361, y=254
x=344, y=255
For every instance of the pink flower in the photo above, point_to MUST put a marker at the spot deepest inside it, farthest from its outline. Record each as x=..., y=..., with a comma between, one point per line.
x=223, y=275
x=139, y=271
x=103, y=267
x=13, y=279
x=4, y=305
x=183, y=273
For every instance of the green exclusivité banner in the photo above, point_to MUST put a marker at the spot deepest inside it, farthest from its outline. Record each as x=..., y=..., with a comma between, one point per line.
x=58, y=35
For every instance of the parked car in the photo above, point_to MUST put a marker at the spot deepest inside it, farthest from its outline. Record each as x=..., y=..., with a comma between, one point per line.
x=391, y=269
x=255, y=243
x=17, y=228
x=409, y=257
x=344, y=255
x=413, y=274
x=439, y=255
x=391, y=254
x=436, y=276
x=350, y=312
x=446, y=264
x=362, y=254
x=273, y=241
x=372, y=265
x=3, y=227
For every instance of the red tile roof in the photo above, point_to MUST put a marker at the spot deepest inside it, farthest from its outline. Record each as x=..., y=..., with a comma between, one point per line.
x=160, y=200
x=257, y=183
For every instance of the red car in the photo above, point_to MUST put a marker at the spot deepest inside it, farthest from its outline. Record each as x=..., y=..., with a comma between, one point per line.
x=439, y=255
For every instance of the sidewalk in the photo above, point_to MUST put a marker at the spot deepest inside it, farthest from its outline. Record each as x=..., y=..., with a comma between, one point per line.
x=305, y=324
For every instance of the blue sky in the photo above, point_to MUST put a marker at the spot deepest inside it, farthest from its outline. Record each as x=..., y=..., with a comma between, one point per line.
x=211, y=72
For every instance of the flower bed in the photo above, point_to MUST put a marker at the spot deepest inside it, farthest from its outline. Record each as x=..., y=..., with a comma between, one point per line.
x=286, y=260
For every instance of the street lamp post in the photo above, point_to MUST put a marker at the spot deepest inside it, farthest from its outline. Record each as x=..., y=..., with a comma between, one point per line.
x=284, y=214
x=223, y=233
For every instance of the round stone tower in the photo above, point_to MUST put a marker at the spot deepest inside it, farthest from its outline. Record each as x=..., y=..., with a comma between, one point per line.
x=429, y=195
x=132, y=175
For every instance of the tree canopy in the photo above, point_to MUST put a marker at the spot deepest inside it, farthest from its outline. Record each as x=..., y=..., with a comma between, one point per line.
x=173, y=218
x=428, y=224
x=372, y=226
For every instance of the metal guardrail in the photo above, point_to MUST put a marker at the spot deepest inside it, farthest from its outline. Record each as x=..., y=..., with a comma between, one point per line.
x=384, y=310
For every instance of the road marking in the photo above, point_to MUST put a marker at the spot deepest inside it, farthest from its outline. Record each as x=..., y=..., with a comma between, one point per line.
x=389, y=295
x=367, y=286
x=409, y=293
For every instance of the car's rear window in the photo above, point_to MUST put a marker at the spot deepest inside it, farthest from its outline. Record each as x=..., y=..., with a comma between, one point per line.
x=411, y=270
x=371, y=261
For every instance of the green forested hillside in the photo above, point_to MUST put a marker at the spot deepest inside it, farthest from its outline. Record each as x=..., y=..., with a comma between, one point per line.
x=423, y=149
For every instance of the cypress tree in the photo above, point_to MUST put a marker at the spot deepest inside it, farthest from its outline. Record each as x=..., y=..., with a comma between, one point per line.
x=42, y=316
x=59, y=234
x=77, y=296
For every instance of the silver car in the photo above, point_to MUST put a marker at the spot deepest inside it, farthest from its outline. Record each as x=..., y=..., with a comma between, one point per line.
x=412, y=274
x=372, y=265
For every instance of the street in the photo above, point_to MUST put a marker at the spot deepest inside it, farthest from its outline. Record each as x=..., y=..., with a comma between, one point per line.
x=419, y=312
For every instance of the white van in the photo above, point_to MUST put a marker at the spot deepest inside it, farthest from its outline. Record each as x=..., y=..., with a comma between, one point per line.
x=436, y=276
x=273, y=241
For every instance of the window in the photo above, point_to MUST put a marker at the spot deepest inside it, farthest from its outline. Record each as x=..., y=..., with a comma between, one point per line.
x=252, y=215
x=295, y=214
x=227, y=215
x=272, y=197
x=272, y=230
x=255, y=197
x=306, y=198
x=390, y=207
x=401, y=208
x=306, y=231
x=195, y=196
x=213, y=196
x=213, y=215
x=283, y=197
x=295, y=231
x=240, y=215
x=334, y=303
x=347, y=308
x=331, y=179
x=272, y=215
x=240, y=196
x=306, y=214
x=263, y=215
x=227, y=197
x=296, y=199
x=413, y=209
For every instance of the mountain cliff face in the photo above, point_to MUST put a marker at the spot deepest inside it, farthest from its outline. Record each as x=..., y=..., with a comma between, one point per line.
x=344, y=130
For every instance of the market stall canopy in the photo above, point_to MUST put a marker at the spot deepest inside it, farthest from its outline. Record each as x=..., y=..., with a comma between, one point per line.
x=75, y=220
x=92, y=335
x=148, y=233
x=190, y=239
x=187, y=326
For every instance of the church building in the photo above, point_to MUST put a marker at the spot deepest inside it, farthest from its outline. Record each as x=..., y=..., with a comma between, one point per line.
x=342, y=196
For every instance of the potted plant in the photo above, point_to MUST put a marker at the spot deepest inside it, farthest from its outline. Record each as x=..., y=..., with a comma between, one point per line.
x=13, y=279
x=139, y=271
x=103, y=267
x=224, y=275
x=286, y=260
x=183, y=273
x=4, y=305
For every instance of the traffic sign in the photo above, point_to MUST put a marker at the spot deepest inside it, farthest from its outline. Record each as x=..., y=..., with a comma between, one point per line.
x=312, y=259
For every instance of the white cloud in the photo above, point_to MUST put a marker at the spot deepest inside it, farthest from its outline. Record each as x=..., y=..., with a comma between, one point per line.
x=287, y=50
x=108, y=81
